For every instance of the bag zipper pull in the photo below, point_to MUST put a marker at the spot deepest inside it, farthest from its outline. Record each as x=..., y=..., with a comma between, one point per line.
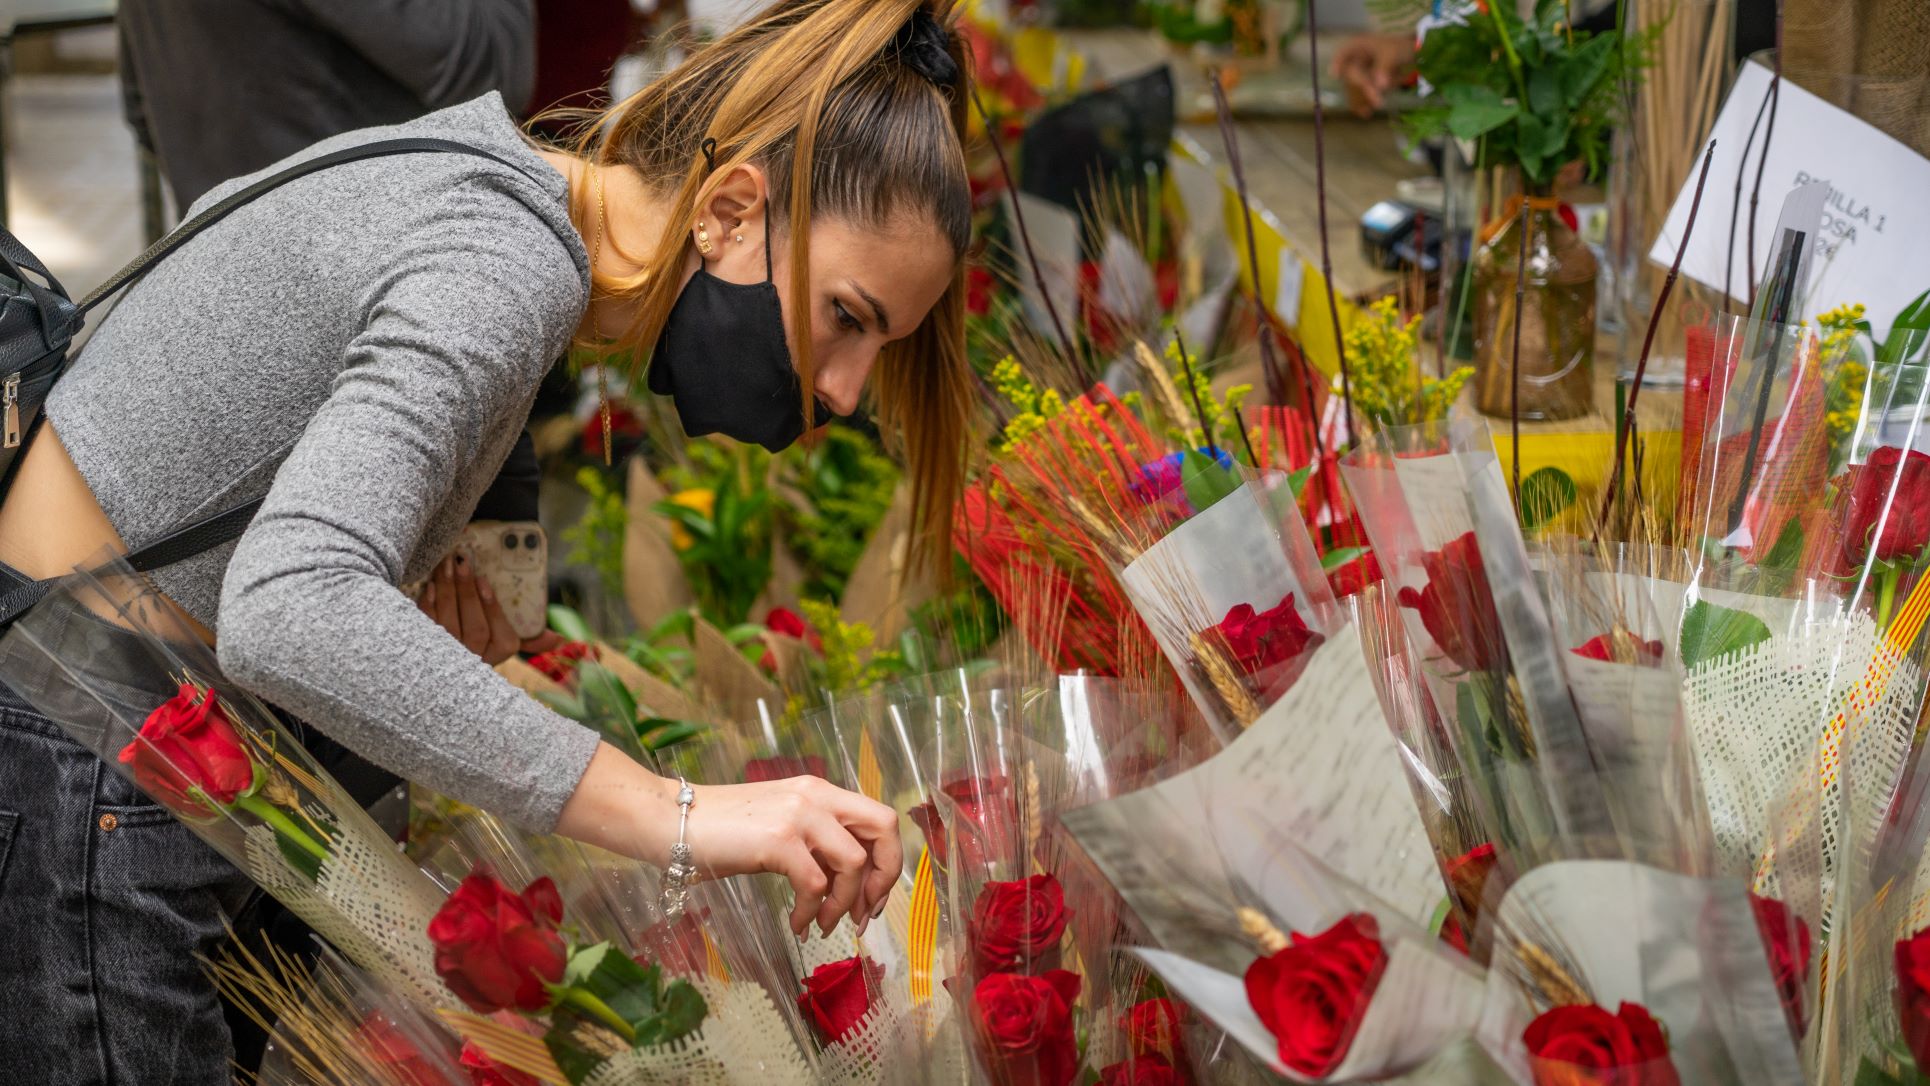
x=10, y=398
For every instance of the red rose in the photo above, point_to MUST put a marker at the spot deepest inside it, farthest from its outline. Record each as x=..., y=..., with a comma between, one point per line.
x=560, y=663
x=1141, y=1071
x=626, y=428
x=1786, y=939
x=1015, y=925
x=190, y=743
x=1602, y=647
x=1467, y=876
x=1166, y=281
x=1913, y=994
x=1260, y=640
x=758, y=770
x=398, y=1056
x=1023, y=1027
x=1587, y=1046
x=1907, y=527
x=1355, y=575
x=1457, y=607
x=1152, y=1028
x=979, y=286
x=677, y=945
x=983, y=807
x=1312, y=994
x=788, y=623
x=484, y=1071
x=496, y=949
x=838, y=995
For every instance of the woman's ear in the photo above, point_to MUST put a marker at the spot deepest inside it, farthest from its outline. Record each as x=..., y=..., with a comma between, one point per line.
x=733, y=221
x=737, y=205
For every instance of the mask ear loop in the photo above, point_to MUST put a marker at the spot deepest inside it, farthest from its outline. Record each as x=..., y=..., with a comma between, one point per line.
x=709, y=148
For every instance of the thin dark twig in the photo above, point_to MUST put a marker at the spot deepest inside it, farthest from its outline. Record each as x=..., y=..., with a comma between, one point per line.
x=1025, y=236
x=1735, y=208
x=1207, y=430
x=1269, y=357
x=1627, y=426
x=1526, y=232
x=1239, y=420
x=1320, y=198
x=1762, y=160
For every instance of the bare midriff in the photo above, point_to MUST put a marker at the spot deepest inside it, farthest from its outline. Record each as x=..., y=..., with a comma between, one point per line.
x=50, y=522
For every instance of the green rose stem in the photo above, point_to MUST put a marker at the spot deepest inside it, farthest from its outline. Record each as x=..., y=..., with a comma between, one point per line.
x=1886, y=593
x=282, y=824
x=589, y=1004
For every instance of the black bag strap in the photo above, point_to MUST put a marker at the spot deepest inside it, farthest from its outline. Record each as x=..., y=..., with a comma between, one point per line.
x=212, y=531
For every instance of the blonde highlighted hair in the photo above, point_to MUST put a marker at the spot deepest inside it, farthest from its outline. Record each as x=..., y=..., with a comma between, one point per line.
x=818, y=94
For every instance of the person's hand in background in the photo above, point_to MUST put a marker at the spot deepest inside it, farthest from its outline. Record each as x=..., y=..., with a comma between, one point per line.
x=461, y=601
x=1371, y=65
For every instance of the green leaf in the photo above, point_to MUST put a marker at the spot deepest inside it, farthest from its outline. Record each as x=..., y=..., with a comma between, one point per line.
x=569, y=625
x=1585, y=68
x=1205, y=481
x=633, y=990
x=743, y=633
x=584, y=962
x=1544, y=91
x=568, y=705
x=608, y=705
x=1545, y=494
x=683, y=1014
x=1297, y=482
x=1476, y=110
x=575, y=1061
x=657, y=733
x=1907, y=334
x=1335, y=559
x=1779, y=565
x=1710, y=632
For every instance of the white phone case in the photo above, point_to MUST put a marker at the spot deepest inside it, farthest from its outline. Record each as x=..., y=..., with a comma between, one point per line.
x=514, y=557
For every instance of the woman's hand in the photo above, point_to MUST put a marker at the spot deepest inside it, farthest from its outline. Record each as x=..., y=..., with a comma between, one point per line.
x=1370, y=65
x=461, y=601
x=839, y=851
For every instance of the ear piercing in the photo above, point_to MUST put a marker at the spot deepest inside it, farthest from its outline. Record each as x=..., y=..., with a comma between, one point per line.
x=703, y=238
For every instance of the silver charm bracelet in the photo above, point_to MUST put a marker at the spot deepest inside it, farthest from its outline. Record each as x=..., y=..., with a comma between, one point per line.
x=681, y=872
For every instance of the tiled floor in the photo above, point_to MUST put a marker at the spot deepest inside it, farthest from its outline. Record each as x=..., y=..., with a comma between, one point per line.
x=73, y=188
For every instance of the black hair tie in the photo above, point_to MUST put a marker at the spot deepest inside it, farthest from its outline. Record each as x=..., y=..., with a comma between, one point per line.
x=924, y=46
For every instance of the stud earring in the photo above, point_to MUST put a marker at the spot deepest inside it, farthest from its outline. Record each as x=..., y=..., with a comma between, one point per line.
x=703, y=239
x=740, y=239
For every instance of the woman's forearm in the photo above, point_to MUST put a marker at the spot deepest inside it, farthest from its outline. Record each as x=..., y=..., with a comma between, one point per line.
x=622, y=807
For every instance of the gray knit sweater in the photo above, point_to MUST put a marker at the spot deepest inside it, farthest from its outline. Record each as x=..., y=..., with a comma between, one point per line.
x=362, y=346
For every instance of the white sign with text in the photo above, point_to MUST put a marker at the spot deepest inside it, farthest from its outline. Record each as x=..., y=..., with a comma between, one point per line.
x=1874, y=223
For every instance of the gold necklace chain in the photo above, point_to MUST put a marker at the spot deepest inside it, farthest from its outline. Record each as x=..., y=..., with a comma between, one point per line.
x=602, y=365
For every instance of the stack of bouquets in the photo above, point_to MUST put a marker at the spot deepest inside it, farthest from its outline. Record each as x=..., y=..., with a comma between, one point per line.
x=1010, y=936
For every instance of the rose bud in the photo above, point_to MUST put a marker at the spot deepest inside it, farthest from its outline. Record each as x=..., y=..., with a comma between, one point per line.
x=837, y=996
x=190, y=743
x=1023, y=1028
x=1015, y=925
x=496, y=949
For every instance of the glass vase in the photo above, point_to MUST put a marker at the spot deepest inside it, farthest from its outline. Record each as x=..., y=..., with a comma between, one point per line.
x=1557, y=319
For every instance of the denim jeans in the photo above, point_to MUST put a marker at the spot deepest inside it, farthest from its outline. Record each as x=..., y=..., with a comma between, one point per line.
x=106, y=899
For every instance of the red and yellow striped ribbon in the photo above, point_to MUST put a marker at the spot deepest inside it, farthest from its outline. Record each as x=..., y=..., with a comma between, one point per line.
x=871, y=776
x=922, y=941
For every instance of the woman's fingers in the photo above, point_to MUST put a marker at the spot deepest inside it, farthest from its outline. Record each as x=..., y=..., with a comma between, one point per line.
x=876, y=826
x=447, y=614
x=475, y=623
x=844, y=860
x=502, y=637
x=808, y=883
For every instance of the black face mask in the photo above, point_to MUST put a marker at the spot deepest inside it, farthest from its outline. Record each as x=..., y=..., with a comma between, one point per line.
x=723, y=360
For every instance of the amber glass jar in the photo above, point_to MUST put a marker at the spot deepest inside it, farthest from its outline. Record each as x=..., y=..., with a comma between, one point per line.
x=1557, y=360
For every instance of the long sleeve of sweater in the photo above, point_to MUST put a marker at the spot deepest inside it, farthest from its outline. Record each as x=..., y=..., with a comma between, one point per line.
x=439, y=377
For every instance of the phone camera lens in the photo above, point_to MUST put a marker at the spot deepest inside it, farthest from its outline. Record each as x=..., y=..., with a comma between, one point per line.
x=509, y=541
x=532, y=541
